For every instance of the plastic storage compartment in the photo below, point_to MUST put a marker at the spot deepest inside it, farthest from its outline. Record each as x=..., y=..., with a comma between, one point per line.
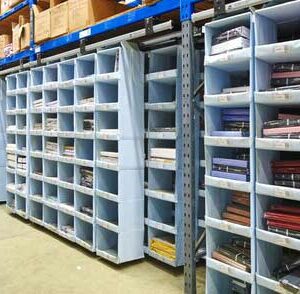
x=36, y=212
x=66, y=100
x=66, y=226
x=84, y=234
x=11, y=82
x=22, y=80
x=84, y=206
x=50, y=73
x=108, y=61
x=85, y=66
x=66, y=173
x=50, y=218
x=66, y=200
x=66, y=70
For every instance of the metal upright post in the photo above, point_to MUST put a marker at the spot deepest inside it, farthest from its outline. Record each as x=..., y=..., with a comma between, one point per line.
x=188, y=148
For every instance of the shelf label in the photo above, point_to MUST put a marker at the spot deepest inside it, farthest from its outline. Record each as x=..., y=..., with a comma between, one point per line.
x=281, y=49
x=223, y=99
x=85, y=33
x=281, y=97
x=37, y=49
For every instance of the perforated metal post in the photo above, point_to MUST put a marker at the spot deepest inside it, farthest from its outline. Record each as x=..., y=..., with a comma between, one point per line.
x=188, y=158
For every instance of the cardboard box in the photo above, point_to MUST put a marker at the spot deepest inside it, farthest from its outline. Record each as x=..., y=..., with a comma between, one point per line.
x=15, y=37
x=4, y=6
x=59, y=20
x=42, y=28
x=4, y=41
x=85, y=13
x=24, y=35
x=13, y=3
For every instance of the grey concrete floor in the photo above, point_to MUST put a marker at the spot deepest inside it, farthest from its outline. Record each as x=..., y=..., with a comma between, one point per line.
x=35, y=261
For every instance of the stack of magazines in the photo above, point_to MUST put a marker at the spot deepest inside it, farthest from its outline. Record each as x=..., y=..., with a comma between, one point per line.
x=86, y=178
x=88, y=124
x=52, y=104
x=21, y=162
x=38, y=103
x=87, y=210
x=288, y=273
x=235, y=121
x=11, y=160
x=287, y=126
x=286, y=173
x=109, y=157
x=167, y=155
x=51, y=124
x=233, y=169
x=286, y=76
x=37, y=126
x=51, y=147
x=233, y=39
x=164, y=246
x=69, y=151
x=240, y=287
x=283, y=219
x=87, y=101
x=236, y=254
x=238, y=211
x=68, y=229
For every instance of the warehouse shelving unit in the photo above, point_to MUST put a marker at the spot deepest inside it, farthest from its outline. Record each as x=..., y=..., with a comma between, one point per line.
x=269, y=50
x=48, y=110
x=164, y=192
x=220, y=72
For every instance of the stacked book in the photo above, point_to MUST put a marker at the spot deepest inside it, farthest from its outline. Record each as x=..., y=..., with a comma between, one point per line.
x=52, y=104
x=11, y=160
x=233, y=169
x=284, y=220
x=286, y=126
x=235, y=122
x=51, y=147
x=238, y=211
x=164, y=246
x=163, y=130
x=236, y=254
x=286, y=173
x=21, y=162
x=233, y=39
x=38, y=103
x=11, y=128
x=11, y=146
x=69, y=151
x=87, y=210
x=88, y=124
x=236, y=90
x=288, y=273
x=285, y=76
x=67, y=229
x=86, y=178
x=87, y=101
x=51, y=124
x=166, y=155
x=109, y=157
x=240, y=287
x=21, y=187
x=38, y=126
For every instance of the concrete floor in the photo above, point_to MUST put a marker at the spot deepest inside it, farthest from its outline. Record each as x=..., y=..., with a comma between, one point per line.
x=35, y=261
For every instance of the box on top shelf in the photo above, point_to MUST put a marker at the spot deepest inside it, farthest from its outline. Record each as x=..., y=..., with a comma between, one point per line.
x=88, y=12
x=21, y=34
x=42, y=30
x=4, y=6
x=5, y=40
x=13, y=3
x=59, y=19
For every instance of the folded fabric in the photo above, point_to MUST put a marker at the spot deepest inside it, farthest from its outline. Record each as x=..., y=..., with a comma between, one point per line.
x=163, y=246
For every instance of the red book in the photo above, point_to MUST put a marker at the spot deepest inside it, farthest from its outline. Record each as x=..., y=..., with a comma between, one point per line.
x=286, y=163
x=285, y=208
x=283, y=225
x=286, y=170
x=285, y=217
x=285, y=116
x=281, y=131
x=286, y=74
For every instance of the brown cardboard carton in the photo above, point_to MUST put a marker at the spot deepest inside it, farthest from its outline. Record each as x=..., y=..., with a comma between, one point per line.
x=85, y=13
x=15, y=37
x=4, y=6
x=59, y=20
x=42, y=28
x=24, y=36
x=13, y=3
x=4, y=41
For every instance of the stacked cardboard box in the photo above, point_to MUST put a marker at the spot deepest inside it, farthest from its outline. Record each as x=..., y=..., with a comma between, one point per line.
x=5, y=44
x=55, y=18
x=21, y=34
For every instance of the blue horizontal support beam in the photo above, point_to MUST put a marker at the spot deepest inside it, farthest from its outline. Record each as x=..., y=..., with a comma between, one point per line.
x=16, y=57
x=14, y=10
x=131, y=17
